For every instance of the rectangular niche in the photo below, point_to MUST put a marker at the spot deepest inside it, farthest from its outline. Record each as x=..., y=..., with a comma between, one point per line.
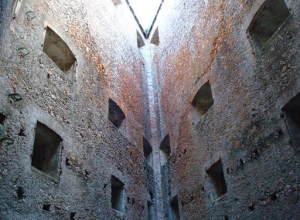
x=147, y=151
x=267, y=21
x=46, y=150
x=292, y=115
x=217, y=179
x=59, y=52
x=117, y=194
x=165, y=150
x=175, y=208
x=203, y=99
x=116, y=116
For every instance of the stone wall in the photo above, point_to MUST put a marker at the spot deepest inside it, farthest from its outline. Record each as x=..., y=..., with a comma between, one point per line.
x=73, y=104
x=209, y=41
x=204, y=79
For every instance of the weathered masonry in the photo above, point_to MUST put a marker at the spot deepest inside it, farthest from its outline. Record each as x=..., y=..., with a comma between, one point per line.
x=196, y=118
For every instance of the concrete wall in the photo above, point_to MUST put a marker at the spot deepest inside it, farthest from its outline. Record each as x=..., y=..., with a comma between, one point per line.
x=109, y=65
x=203, y=41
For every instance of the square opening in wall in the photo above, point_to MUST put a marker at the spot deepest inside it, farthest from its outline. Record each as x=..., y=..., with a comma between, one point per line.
x=46, y=150
x=59, y=52
x=115, y=114
x=175, y=208
x=203, y=99
x=117, y=194
x=292, y=115
x=147, y=151
x=269, y=18
x=217, y=179
x=165, y=150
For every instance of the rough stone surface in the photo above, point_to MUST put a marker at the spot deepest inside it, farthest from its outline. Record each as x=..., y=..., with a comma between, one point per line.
x=245, y=128
x=75, y=106
x=154, y=86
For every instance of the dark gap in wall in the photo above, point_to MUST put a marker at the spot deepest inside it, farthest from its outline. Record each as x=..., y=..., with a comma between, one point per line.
x=274, y=196
x=46, y=150
x=147, y=150
x=267, y=21
x=251, y=207
x=226, y=217
x=255, y=151
x=279, y=132
x=46, y=207
x=2, y=118
x=215, y=172
x=132, y=201
x=58, y=51
x=68, y=163
x=21, y=133
x=20, y=192
x=175, y=208
x=241, y=162
x=72, y=215
x=128, y=199
x=203, y=99
x=292, y=115
x=15, y=97
x=115, y=114
x=86, y=173
x=165, y=149
x=151, y=194
x=117, y=194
